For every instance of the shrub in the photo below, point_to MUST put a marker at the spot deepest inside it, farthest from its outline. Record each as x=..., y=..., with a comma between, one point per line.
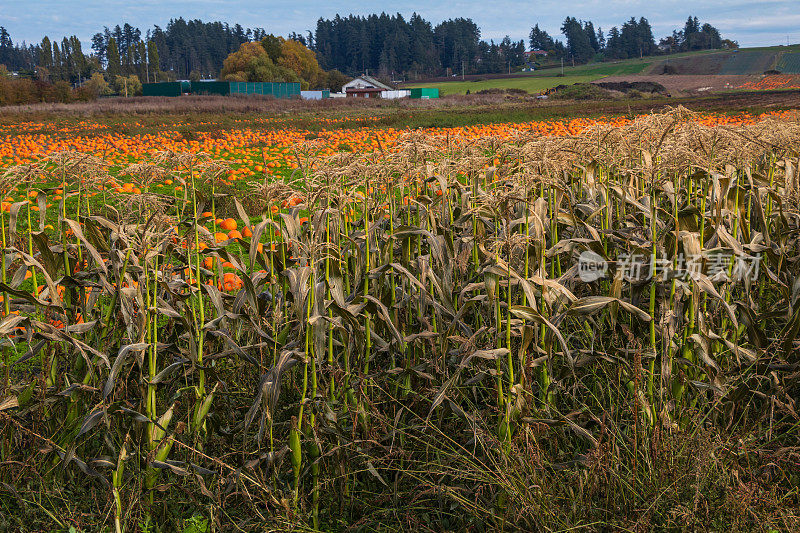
x=580, y=91
x=16, y=92
x=97, y=85
x=60, y=92
x=669, y=69
x=128, y=85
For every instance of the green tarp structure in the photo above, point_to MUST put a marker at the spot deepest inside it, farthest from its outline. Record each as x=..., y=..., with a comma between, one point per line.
x=275, y=89
x=224, y=88
x=161, y=89
x=425, y=93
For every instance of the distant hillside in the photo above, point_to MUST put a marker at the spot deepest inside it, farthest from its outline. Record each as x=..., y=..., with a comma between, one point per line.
x=789, y=63
x=732, y=62
x=730, y=69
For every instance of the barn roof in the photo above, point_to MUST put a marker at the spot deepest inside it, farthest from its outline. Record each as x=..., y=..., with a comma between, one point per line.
x=366, y=82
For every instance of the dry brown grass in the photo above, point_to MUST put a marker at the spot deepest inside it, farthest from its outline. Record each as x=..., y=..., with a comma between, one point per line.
x=414, y=347
x=233, y=104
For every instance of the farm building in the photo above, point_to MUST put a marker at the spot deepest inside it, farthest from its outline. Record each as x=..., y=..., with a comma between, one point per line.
x=225, y=88
x=533, y=54
x=365, y=87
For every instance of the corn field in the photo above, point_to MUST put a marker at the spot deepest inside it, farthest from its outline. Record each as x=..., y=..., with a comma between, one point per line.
x=408, y=339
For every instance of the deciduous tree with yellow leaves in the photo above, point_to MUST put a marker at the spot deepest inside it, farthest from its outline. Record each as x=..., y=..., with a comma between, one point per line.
x=301, y=60
x=274, y=59
x=252, y=63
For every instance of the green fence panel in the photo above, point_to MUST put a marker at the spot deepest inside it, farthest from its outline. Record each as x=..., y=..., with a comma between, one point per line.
x=428, y=92
x=161, y=89
x=211, y=87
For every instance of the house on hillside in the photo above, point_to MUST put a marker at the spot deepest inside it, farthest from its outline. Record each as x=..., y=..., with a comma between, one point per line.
x=365, y=87
x=534, y=54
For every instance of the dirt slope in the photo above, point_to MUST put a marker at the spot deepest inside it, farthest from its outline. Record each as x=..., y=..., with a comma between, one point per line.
x=687, y=84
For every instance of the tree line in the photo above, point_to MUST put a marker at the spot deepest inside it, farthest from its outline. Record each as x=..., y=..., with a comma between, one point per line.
x=393, y=46
x=190, y=49
x=385, y=45
x=634, y=38
x=181, y=50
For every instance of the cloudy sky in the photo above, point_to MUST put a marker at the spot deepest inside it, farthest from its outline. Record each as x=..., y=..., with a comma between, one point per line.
x=751, y=22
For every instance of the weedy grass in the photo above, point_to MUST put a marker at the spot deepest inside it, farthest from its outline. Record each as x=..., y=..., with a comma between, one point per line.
x=403, y=340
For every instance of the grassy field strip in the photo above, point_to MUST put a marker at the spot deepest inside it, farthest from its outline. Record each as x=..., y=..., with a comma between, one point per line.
x=531, y=84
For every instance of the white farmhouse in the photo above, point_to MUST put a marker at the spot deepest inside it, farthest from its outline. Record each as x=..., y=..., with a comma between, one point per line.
x=365, y=87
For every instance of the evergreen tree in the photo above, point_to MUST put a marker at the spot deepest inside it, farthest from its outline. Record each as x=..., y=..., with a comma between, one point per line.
x=79, y=59
x=19, y=57
x=114, y=67
x=141, y=60
x=7, y=51
x=272, y=45
x=5, y=38
x=119, y=38
x=588, y=28
x=690, y=38
x=635, y=40
x=99, y=44
x=57, y=70
x=458, y=44
x=46, y=54
x=153, y=63
x=540, y=40
x=645, y=41
x=710, y=37
x=614, y=43
x=601, y=39
x=67, y=67
x=579, y=44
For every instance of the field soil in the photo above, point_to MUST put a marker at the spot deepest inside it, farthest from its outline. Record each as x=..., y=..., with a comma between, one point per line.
x=719, y=63
x=678, y=85
x=750, y=62
x=694, y=64
x=789, y=63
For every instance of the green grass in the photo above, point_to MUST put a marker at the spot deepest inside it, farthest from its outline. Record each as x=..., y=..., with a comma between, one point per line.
x=619, y=68
x=775, y=48
x=532, y=84
x=612, y=68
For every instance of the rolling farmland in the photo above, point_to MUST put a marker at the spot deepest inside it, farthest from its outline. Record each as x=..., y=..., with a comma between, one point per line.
x=789, y=63
x=682, y=73
x=749, y=62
